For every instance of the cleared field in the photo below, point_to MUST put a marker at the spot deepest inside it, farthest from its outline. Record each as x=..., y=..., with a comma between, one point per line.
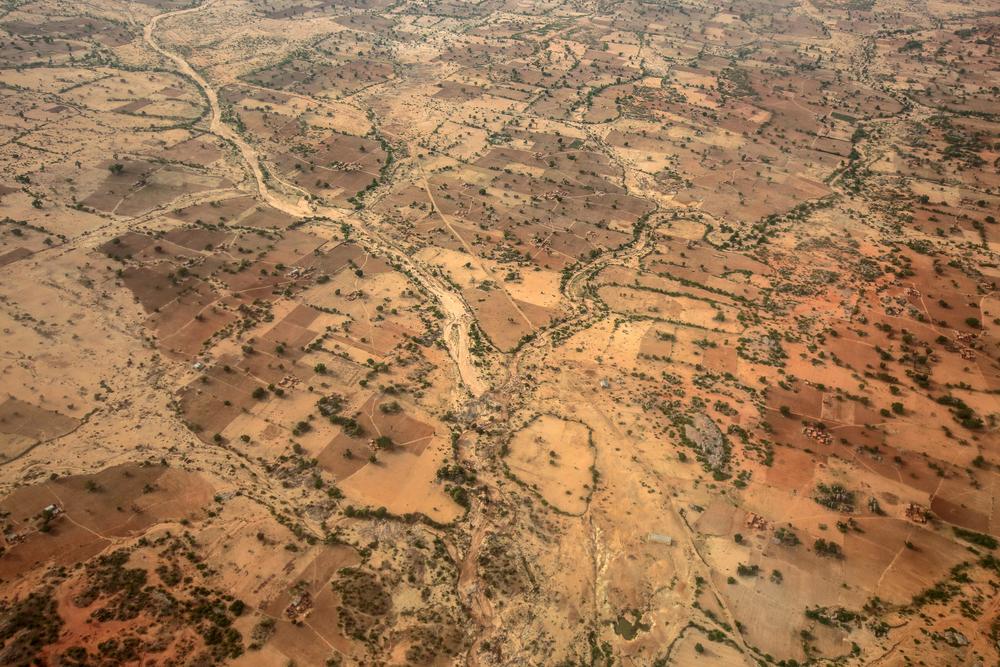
x=555, y=458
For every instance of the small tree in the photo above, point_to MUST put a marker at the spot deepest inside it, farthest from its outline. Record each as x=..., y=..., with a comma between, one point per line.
x=827, y=548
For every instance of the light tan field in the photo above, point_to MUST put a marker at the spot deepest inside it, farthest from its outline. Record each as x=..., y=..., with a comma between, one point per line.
x=554, y=457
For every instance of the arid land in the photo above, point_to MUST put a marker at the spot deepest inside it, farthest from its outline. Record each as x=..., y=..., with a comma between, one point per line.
x=499, y=333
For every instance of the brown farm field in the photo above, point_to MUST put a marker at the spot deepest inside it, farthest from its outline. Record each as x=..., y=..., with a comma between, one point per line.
x=517, y=332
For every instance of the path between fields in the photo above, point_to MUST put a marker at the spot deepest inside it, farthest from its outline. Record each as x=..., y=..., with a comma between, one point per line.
x=458, y=316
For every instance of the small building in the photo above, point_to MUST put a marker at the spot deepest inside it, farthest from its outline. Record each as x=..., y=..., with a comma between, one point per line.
x=916, y=513
x=661, y=539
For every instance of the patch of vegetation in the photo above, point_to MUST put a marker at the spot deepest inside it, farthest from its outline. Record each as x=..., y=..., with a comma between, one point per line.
x=834, y=497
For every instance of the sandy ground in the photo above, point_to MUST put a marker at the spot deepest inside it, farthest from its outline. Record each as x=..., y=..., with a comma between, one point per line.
x=522, y=334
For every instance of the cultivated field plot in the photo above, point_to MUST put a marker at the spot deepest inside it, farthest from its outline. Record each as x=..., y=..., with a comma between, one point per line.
x=551, y=456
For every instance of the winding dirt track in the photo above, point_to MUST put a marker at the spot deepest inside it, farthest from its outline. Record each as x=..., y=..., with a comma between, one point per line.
x=216, y=126
x=458, y=316
x=510, y=386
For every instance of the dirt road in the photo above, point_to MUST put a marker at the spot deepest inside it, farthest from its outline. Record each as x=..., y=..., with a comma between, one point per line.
x=458, y=317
